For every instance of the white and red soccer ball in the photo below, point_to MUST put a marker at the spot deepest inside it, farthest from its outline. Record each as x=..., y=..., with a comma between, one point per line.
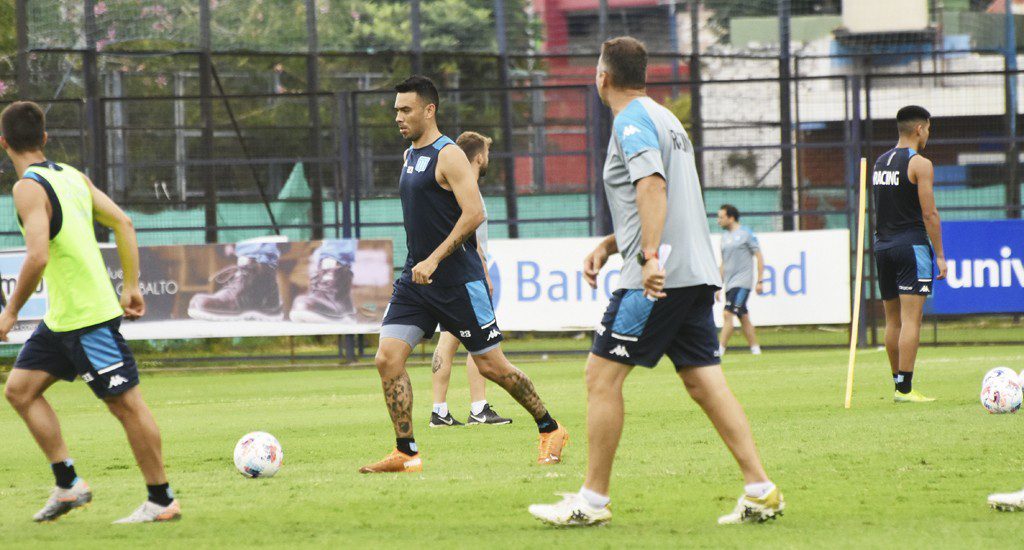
x=258, y=454
x=1001, y=391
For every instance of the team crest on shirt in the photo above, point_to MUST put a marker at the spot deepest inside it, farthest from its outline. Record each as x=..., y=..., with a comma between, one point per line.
x=422, y=163
x=630, y=130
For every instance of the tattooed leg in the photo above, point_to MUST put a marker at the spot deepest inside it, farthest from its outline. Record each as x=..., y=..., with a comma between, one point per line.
x=398, y=397
x=495, y=367
x=390, y=360
x=441, y=366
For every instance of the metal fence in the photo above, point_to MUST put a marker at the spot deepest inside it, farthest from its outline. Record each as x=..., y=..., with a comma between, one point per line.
x=296, y=136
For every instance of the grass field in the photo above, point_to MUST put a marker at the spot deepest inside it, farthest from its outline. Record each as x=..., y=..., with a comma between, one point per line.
x=877, y=476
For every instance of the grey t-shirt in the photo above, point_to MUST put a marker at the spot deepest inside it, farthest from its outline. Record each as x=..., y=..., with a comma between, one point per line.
x=648, y=139
x=738, y=249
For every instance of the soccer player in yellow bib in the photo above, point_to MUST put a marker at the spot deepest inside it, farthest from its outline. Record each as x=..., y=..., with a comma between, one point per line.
x=79, y=336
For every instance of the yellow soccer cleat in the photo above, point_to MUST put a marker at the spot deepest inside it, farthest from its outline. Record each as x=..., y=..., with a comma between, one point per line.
x=395, y=462
x=913, y=396
x=756, y=510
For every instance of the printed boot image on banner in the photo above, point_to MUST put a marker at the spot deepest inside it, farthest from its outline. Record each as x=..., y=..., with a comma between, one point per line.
x=248, y=290
x=329, y=299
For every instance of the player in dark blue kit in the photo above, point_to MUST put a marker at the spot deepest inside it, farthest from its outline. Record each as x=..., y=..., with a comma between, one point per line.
x=443, y=282
x=908, y=244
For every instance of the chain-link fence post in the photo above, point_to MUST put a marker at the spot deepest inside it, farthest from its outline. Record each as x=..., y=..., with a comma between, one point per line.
x=345, y=154
x=511, y=204
x=21, y=61
x=315, y=147
x=786, y=116
x=696, y=116
x=206, y=114
x=417, y=36
x=1010, y=86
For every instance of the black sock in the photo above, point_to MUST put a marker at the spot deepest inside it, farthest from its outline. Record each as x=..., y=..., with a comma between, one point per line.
x=895, y=379
x=407, y=445
x=160, y=494
x=64, y=473
x=546, y=424
x=903, y=383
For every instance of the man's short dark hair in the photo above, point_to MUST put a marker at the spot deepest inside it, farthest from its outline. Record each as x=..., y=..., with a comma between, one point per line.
x=423, y=87
x=731, y=211
x=625, y=60
x=23, y=125
x=910, y=116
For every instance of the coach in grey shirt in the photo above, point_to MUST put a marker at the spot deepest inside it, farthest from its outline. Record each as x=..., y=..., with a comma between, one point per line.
x=739, y=251
x=668, y=283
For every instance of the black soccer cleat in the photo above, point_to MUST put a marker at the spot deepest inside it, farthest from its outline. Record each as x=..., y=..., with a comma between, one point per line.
x=438, y=421
x=488, y=416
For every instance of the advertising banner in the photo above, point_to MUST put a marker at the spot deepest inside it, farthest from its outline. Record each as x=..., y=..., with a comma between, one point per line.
x=985, y=268
x=268, y=288
x=252, y=288
x=539, y=283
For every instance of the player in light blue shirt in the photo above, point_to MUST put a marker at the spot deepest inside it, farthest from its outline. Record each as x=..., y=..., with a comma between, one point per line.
x=668, y=283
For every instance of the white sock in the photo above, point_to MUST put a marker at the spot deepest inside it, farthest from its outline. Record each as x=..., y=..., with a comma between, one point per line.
x=594, y=499
x=721, y=350
x=441, y=409
x=759, y=490
x=477, y=407
x=756, y=350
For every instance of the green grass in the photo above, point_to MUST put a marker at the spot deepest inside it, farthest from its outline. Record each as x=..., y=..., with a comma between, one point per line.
x=877, y=476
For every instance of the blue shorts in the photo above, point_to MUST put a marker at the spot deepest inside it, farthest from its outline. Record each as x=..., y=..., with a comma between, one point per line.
x=98, y=354
x=466, y=311
x=636, y=331
x=904, y=269
x=736, y=301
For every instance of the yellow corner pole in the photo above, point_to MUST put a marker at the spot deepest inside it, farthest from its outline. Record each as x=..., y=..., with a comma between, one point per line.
x=858, y=280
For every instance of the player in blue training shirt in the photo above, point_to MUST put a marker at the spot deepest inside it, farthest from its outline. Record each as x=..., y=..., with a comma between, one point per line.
x=443, y=282
x=908, y=238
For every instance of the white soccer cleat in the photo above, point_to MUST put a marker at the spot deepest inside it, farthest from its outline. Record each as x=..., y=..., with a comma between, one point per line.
x=572, y=511
x=1007, y=502
x=150, y=512
x=755, y=510
x=62, y=501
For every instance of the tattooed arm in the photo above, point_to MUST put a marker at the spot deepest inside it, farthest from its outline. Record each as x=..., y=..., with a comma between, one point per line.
x=455, y=173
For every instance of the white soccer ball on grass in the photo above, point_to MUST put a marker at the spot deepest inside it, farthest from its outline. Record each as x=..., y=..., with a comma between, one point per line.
x=1002, y=394
x=1000, y=372
x=258, y=454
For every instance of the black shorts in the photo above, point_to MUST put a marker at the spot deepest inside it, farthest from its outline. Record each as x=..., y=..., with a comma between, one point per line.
x=736, y=301
x=98, y=354
x=904, y=269
x=636, y=331
x=465, y=310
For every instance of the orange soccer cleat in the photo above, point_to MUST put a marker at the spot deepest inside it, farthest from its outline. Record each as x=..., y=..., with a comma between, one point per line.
x=551, y=445
x=397, y=461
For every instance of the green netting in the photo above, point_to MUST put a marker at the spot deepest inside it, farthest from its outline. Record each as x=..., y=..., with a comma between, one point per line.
x=746, y=200
x=278, y=26
x=553, y=209
x=977, y=197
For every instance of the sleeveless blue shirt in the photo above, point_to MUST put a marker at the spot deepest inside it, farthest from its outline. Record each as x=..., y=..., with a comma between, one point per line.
x=430, y=213
x=898, y=217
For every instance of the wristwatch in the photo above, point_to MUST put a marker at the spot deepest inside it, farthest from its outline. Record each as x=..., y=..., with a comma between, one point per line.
x=643, y=257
